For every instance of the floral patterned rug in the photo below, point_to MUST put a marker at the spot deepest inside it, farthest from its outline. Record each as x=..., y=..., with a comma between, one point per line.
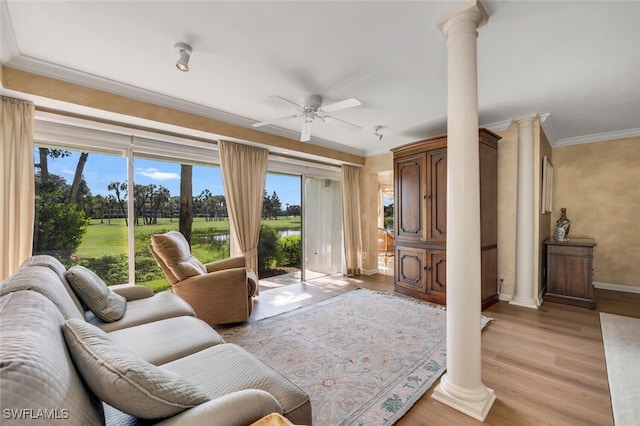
x=363, y=357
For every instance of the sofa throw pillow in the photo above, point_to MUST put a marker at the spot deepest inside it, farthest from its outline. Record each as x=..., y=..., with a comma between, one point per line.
x=175, y=252
x=124, y=380
x=100, y=299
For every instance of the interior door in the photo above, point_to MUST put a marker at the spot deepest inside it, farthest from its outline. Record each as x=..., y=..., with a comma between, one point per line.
x=322, y=227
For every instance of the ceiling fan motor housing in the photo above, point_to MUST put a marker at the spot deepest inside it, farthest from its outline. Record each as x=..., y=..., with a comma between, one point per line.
x=312, y=102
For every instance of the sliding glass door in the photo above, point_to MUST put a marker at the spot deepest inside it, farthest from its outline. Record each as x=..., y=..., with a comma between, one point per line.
x=322, y=227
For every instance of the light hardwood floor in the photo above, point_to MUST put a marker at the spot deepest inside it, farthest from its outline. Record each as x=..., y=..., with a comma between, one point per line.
x=545, y=365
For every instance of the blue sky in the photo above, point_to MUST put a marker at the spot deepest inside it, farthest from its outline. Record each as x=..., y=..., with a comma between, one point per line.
x=100, y=170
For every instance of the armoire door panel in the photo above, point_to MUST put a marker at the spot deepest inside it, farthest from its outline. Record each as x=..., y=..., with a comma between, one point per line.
x=437, y=196
x=410, y=189
x=488, y=195
x=410, y=268
x=489, y=271
x=437, y=271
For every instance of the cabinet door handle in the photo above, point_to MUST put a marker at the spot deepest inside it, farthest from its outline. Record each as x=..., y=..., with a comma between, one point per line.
x=427, y=268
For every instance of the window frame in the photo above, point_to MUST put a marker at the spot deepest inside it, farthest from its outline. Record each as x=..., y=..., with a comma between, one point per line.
x=84, y=135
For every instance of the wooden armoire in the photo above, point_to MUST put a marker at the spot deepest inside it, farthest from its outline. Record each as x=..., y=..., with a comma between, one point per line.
x=420, y=197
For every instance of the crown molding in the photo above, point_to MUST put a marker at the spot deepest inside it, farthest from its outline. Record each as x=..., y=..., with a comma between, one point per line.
x=498, y=126
x=47, y=69
x=598, y=137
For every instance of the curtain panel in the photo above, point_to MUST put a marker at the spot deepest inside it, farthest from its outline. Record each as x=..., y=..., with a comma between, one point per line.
x=244, y=173
x=351, y=220
x=17, y=191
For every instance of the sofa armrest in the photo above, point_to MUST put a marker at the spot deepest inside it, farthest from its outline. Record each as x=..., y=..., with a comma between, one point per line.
x=132, y=292
x=233, y=262
x=239, y=408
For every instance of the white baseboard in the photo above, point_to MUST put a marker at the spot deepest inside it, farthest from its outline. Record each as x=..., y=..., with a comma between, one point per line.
x=616, y=287
x=505, y=297
x=368, y=271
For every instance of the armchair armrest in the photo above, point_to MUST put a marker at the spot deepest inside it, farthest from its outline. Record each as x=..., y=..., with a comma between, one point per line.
x=218, y=297
x=239, y=408
x=232, y=262
x=132, y=292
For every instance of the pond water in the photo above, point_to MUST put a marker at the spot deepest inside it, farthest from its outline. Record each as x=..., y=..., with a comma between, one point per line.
x=222, y=237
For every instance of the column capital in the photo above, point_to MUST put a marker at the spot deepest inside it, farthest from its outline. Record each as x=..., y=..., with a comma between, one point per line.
x=469, y=11
x=526, y=120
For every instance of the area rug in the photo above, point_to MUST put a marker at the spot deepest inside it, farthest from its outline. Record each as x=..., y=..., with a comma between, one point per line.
x=621, y=338
x=363, y=357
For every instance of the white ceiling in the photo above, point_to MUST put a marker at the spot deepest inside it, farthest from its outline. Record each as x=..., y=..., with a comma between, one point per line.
x=579, y=62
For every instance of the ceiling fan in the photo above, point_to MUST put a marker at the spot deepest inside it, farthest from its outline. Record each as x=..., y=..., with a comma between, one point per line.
x=311, y=109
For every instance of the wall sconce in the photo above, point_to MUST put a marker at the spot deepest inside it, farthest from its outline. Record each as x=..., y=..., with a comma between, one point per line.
x=185, y=53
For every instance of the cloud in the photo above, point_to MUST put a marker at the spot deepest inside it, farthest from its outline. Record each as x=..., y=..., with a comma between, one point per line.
x=68, y=172
x=156, y=174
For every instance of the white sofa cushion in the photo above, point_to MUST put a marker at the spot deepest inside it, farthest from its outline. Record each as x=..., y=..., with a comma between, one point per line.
x=143, y=311
x=124, y=380
x=43, y=280
x=56, y=266
x=166, y=340
x=36, y=370
x=100, y=299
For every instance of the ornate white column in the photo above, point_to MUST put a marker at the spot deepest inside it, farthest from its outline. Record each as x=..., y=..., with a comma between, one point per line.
x=525, y=216
x=461, y=387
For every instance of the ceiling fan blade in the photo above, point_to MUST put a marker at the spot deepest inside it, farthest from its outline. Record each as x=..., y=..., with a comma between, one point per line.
x=344, y=124
x=347, y=103
x=305, y=135
x=297, y=105
x=275, y=120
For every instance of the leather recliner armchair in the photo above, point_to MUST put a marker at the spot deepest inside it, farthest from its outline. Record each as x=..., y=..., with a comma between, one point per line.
x=220, y=292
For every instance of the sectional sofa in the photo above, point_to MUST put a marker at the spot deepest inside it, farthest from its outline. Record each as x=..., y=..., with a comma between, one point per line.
x=134, y=358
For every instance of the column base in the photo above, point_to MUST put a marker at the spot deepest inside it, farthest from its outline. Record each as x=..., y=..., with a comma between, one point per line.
x=477, y=406
x=526, y=303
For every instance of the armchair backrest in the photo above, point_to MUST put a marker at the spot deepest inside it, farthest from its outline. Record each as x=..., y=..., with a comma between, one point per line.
x=173, y=254
x=385, y=240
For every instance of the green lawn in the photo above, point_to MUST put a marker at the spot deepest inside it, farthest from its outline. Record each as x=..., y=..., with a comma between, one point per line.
x=111, y=239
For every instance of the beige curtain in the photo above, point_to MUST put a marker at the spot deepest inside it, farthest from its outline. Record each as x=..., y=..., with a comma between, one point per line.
x=17, y=190
x=244, y=172
x=351, y=220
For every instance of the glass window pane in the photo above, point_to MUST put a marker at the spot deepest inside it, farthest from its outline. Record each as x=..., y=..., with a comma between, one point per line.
x=81, y=210
x=322, y=227
x=279, y=246
x=157, y=209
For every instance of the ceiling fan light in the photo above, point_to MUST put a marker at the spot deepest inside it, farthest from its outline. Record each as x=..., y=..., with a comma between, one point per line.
x=185, y=54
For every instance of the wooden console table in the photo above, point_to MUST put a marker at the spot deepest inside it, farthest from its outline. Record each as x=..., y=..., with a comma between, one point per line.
x=570, y=272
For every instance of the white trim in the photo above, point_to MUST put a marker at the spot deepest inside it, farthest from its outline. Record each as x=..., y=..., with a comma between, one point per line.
x=505, y=297
x=369, y=271
x=498, y=126
x=598, y=137
x=616, y=287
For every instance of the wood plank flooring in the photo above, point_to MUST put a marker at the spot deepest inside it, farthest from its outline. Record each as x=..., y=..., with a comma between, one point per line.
x=545, y=365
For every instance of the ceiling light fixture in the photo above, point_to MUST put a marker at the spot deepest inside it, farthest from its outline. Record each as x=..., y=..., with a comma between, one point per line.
x=377, y=133
x=185, y=53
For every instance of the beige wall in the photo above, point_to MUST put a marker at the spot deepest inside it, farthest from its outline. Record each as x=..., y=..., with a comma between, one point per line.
x=373, y=166
x=599, y=184
x=507, y=189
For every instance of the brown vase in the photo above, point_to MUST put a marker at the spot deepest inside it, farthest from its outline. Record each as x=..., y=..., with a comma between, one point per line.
x=562, y=226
